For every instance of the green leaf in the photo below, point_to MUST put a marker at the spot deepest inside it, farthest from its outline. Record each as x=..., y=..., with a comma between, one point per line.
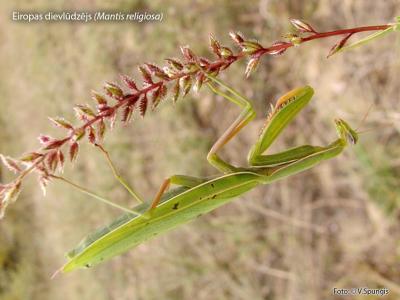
x=369, y=38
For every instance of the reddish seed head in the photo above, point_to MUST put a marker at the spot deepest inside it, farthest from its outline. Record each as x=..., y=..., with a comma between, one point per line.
x=182, y=75
x=302, y=26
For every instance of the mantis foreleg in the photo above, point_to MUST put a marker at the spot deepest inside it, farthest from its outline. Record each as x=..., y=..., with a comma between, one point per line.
x=301, y=157
x=275, y=124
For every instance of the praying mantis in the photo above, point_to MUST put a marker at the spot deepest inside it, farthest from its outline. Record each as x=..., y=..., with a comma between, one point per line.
x=196, y=196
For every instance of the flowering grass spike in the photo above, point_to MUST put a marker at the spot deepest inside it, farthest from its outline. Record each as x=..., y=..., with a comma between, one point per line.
x=176, y=79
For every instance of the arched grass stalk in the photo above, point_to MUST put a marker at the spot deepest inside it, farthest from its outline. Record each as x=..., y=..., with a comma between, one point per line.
x=177, y=78
x=197, y=195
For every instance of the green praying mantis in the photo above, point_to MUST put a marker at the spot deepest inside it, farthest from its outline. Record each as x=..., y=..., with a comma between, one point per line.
x=196, y=196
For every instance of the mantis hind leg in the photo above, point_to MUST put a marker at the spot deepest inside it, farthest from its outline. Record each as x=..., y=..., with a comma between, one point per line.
x=116, y=174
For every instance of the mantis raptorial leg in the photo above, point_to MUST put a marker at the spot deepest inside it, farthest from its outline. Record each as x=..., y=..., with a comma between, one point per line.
x=266, y=138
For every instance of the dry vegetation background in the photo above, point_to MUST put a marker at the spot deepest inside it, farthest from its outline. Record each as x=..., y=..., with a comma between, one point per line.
x=336, y=225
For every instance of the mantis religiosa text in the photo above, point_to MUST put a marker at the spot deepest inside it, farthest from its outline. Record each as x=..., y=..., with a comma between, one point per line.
x=197, y=196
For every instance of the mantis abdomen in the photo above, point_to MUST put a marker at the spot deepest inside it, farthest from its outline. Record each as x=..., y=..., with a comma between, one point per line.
x=171, y=212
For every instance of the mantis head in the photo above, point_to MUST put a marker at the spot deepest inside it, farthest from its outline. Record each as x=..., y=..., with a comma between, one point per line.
x=346, y=132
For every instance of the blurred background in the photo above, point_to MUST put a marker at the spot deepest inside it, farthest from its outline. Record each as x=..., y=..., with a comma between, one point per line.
x=336, y=225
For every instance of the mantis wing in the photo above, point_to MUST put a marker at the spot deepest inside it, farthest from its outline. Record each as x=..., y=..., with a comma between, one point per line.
x=174, y=210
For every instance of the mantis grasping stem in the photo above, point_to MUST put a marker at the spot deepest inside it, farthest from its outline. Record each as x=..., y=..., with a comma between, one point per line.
x=196, y=196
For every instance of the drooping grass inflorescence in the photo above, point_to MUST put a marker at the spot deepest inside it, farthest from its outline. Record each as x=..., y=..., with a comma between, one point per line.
x=177, y=78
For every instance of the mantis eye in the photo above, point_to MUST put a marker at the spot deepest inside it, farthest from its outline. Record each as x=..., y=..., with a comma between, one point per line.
x=351, y=138
x=346, y=132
